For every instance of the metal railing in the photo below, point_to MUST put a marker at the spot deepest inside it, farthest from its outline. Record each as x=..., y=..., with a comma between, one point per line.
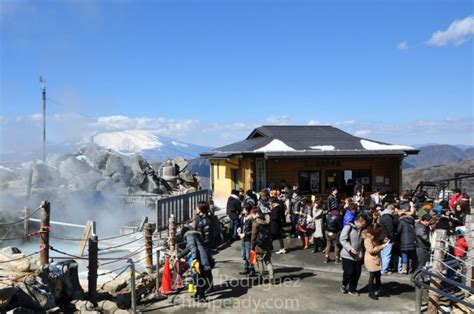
x=181, y=206
x=448, y=277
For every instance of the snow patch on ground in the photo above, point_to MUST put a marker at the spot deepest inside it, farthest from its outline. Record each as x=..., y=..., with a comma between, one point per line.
x=323, y=147
x=369, y=145
x=131, y=141
x=275, y=146
x=178, y=144
x=87, y=160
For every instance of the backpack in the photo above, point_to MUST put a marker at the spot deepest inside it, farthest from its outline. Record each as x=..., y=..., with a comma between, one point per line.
x=263, y=235
x=333, y=222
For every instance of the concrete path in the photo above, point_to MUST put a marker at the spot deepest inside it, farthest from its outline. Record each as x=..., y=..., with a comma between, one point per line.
x=303, y=284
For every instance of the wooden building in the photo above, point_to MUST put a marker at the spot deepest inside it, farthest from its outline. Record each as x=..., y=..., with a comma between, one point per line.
x=313, y=157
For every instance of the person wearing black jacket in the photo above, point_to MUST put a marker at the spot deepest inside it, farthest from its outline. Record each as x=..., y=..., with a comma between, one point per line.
x=204, y=225
x=277, y=222
x=387, y=223
x=423, y=245
x=333, y=200
x=196, y=253
x=245, y=233
x=406, y=230
x=233, y=211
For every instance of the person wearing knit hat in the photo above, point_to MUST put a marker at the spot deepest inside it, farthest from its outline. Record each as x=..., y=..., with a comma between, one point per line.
x=423, y=245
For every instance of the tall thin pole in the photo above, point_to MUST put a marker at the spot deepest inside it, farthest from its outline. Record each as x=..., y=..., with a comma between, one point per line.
x=43, y=93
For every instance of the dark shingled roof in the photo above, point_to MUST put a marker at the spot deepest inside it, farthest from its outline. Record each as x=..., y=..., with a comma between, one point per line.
x=301, y=139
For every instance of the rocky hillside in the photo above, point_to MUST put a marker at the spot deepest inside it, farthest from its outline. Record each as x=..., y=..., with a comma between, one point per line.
x=433, y=155
x=411, y=177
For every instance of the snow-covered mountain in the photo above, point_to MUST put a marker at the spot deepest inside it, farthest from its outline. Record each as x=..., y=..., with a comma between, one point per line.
x=148, y=143
x=151, y=145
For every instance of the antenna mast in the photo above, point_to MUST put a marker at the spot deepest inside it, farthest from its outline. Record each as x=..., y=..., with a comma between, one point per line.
x=43, y=93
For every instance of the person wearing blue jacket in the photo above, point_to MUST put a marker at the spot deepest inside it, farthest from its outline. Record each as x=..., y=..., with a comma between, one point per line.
x=350, y=215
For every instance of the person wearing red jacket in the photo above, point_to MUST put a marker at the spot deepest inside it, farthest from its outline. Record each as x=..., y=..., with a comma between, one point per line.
x=461, y=244
x=455, y=198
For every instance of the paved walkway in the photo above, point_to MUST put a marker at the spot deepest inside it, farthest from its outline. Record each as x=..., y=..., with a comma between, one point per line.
x=303, y=284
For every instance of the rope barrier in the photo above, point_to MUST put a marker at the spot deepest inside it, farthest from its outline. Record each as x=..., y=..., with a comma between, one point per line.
x=33, y=234
x=119, y=236
x=66, y=239
x=118, y=275
x=67, y=254
x=120, y=245
x=118, y=259
x=21, y=220
x=112, y=271
x=18, y=259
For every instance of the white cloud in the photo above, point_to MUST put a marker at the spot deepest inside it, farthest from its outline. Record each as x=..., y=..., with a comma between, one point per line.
x=403, y=45
x=24, y=132
x=314, y=122
x=362, y=133
x=415, y=131
x=278, y=120
x=457, y=33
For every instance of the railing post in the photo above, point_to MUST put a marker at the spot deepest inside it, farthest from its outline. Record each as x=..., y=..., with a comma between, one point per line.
x=172, y=234
x=157, y=288
x=26, y=224
x=133, y=296
x=44, y=233
x=470, y=253
x=438, y=255
x=418, y=298
x=149, y=228
x=93, y=265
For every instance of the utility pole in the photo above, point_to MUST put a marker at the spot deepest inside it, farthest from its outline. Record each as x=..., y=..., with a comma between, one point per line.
x=43, y=93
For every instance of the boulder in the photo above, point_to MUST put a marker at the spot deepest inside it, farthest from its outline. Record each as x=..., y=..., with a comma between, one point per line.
x=136, y=165
x=13, y=253
x=44, y=176
x=54, y=160
x=8, y=174
x=72, y=167
x=85, y=181
x=115, y=286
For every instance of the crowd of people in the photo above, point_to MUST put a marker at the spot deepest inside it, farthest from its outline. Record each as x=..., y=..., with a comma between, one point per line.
x=385, y=234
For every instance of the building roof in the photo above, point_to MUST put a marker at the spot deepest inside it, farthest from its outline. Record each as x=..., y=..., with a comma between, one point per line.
x=307, y=140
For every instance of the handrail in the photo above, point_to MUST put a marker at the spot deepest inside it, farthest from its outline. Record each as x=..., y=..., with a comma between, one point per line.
x=417, y=279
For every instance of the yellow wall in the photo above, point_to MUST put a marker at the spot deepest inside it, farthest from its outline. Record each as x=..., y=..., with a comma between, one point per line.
x=221, y=170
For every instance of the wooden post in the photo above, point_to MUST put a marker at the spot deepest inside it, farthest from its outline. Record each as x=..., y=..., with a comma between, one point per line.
x=44, y=233
x=133, y=296
x=172, y=234
x=438, y=255
x=149, y=228
x=85, y=236
x=92, y=275
x=157, y=289
x=26, y=224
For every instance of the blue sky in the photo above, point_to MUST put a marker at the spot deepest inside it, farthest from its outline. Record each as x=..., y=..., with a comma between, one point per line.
x=210, y=71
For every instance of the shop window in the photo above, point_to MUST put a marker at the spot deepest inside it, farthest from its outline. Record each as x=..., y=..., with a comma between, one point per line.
x=309, y=182
x=235, y=179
